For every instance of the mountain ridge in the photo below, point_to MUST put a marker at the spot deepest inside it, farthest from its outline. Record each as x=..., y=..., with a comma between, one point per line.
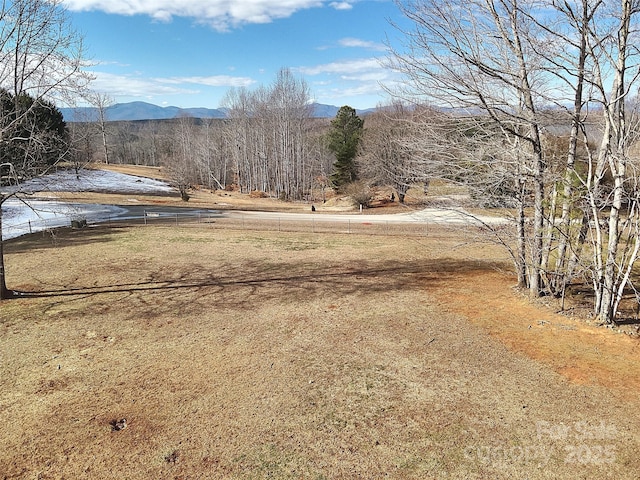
x=133, y=111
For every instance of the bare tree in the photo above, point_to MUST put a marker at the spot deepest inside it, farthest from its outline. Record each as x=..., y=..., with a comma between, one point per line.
x=289, y=111
x=101, y=102
x=618, y=56
x=180, y=163
x=40, y=56
x=210, y=155
x=268, y=135
x=238, y=135
x=402, y=145
x=512, y=67
x=476, y=57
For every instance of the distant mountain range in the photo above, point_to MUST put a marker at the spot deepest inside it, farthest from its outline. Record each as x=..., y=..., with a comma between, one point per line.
x=147, y=111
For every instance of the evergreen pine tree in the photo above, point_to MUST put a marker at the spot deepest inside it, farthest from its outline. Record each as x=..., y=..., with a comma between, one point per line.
x=35, y=134
x=344, y=137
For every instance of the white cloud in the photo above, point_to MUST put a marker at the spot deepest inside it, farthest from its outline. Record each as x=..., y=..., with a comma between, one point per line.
x=346, y=67
x=221, y=14
x=356, y=82
x=138, y=86
x=365, y=89
x=365, y=95
x=378, y=76
x=342, y=5
x=210, y=81
x=357, y=43
x=134, y=86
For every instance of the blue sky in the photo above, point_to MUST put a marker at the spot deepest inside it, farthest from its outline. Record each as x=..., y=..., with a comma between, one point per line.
x=189, y=53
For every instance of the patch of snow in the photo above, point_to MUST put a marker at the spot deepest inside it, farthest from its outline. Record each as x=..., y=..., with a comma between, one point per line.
x=21, y=215
x=21, y=218
x=100, y=181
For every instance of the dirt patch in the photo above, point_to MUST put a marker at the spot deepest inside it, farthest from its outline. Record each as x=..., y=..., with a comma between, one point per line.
x=237, y=354
x=583, y=353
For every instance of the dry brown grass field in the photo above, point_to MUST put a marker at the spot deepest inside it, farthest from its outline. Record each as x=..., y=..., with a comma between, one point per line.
x=250, y=354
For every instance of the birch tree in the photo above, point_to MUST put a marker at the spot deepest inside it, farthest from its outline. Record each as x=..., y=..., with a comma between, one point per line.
x=268, y=134
x=477, y=58
x=517, y=66
x=101, y=102
x=617, y=55
x=290, y=113
x=238, y=131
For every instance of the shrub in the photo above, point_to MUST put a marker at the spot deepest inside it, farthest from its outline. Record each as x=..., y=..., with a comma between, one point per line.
x=360, y=193
x=258, y=194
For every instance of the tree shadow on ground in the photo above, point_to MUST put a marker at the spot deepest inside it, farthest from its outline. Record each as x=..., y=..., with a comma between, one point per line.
x=197, y=284
x=582, y=296
x=60, y=237
x=250, y=284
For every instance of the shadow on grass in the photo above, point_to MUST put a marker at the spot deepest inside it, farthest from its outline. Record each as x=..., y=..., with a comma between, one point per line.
x=370, y=277
x=148, y=288
x=61, y=237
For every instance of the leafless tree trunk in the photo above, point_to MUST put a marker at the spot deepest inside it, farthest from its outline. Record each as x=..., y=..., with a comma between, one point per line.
x=476, y=58
x=395, y=146
x=238, y=103
x=269, y=129
x=102, y=101
x=181, y=162
x=40, y=55
x=617, y=153
x=508, y=61
x=578, y=20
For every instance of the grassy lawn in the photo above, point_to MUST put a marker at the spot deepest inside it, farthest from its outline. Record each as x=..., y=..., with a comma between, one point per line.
x=249, y=354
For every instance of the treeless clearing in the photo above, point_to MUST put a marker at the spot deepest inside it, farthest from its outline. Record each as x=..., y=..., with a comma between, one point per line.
x=239, y=354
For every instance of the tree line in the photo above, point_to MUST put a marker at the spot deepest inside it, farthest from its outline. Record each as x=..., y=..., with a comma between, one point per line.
x=269, y=142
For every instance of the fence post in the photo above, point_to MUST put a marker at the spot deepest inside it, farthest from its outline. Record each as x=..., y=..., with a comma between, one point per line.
x=144, y=215
x=30, y=231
